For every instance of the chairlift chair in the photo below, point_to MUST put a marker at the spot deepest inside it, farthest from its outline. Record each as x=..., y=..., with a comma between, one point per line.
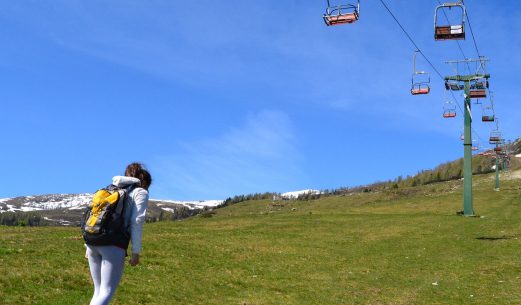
x=475, y=147
x=449, y=31
x=449, y=110
x=341, y=14
x=495, y=137
x=478, y=89
x=420, y=79
x=454, y=86
x=480, y=84
x=488, y=114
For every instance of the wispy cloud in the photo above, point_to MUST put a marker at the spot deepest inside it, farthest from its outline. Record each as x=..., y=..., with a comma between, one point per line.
x=261, y=155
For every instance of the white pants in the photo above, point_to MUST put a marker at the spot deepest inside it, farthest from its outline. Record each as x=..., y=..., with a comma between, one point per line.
x=106, y=268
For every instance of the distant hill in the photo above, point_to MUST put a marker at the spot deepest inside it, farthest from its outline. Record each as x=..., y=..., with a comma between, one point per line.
x=67, y=209
x=482, y=163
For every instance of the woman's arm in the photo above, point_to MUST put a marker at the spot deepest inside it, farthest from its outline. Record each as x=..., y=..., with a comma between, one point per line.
x=137, y=219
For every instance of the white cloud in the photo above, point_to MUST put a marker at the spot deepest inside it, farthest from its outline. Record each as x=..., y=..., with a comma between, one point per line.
x=259, y=156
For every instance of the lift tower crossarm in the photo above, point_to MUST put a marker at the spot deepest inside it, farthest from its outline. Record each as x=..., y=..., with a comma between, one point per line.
x=467, y=78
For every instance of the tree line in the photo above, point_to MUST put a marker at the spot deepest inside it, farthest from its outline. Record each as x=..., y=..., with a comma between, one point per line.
x=22, y=219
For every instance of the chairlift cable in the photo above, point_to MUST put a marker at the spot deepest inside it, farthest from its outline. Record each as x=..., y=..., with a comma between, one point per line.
x=412, y=41
x=472, y=32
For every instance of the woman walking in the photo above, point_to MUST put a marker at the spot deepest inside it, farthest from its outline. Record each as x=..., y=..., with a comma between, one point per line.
x=107, y=262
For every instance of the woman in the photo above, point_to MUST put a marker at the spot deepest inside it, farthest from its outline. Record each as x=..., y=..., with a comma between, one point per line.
x=107, y=262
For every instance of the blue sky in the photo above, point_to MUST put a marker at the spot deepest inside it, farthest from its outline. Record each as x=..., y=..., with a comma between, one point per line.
x=220, y=98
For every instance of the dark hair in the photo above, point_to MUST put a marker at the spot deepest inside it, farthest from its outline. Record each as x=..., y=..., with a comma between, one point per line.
x=137, y=170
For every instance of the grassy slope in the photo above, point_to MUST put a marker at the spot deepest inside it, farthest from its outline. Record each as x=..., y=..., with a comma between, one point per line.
x=376, y=248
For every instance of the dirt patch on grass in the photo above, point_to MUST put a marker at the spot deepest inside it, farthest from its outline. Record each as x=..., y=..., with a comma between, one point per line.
x=512, y=175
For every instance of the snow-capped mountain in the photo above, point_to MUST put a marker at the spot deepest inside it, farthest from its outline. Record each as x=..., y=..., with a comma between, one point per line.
x=44, y=202
x=67, y=209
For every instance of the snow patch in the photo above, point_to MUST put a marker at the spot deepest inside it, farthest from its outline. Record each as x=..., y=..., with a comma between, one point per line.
x=296, y=194
x=168, y=210
x=59, y=202
x=29, y=209
x=60, y=221
x=198, y=204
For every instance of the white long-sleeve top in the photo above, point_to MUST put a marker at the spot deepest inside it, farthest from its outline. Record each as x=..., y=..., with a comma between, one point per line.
x=136, y=205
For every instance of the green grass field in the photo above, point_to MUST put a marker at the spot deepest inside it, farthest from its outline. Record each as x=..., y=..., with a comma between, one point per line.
x=404, y=246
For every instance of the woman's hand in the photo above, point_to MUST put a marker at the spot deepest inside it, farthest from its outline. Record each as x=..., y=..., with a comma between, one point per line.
x=134, y=260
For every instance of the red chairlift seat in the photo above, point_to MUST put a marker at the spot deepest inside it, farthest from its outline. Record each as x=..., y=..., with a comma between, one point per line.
x=494, y=139
x=487, y=118
x=498, y=149
x=478, y=93
x=449, y=114
x=416, y=91
x=341, y=14
x=450, y=32
x=340, y=19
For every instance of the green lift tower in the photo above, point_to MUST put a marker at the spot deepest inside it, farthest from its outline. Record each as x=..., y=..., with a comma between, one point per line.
x=473, y=86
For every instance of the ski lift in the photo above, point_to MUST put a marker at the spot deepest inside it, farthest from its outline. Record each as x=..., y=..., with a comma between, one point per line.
x=498, y=149
x=480, y=84
x=451, y=31
x=478, y=93
x=488, y=114
x=476, y=146
x=478, y=89
x=420, y=79
x=341, y=14
x=454, y=86
x=495, y=137
x=449, y=110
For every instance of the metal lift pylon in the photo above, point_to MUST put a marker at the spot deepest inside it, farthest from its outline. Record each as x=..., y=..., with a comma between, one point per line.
x=468, y=209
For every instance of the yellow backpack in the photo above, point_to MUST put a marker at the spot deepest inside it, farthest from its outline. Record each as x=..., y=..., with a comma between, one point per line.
x=103, y=222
